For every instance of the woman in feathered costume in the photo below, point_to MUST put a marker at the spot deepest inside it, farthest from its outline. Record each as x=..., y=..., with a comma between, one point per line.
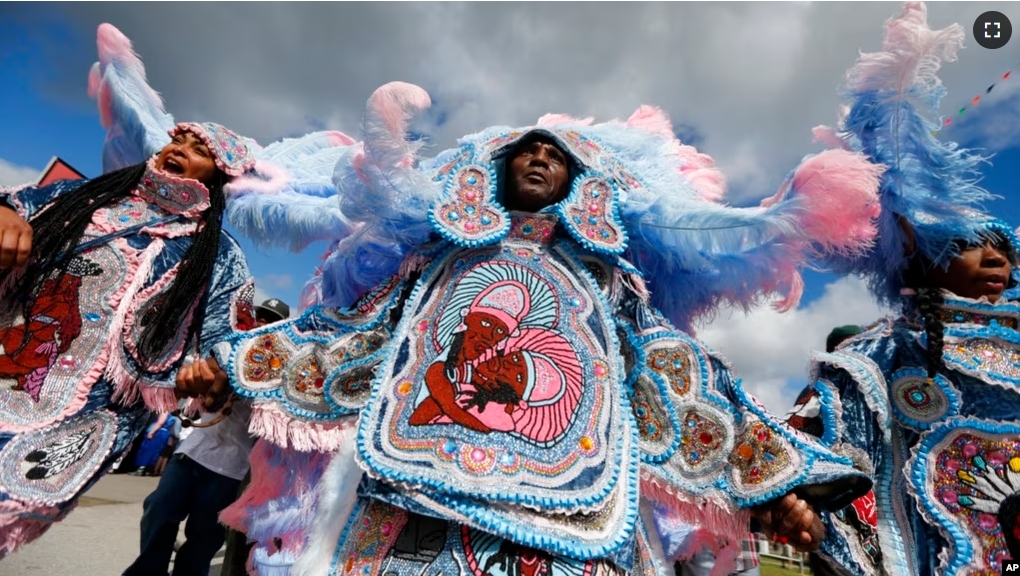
x=496, y=377
x=927, y=401
x=108, y=283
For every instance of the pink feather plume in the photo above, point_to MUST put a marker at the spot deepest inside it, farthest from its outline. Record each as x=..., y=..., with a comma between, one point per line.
x=837, y=191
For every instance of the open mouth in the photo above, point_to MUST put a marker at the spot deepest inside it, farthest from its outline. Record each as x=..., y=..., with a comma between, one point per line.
x=172, y=166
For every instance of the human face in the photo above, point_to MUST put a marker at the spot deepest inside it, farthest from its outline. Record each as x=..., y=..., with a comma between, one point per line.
x=539, y=176
x=187, y=156
x=511, y=369
x=980, y=270
x=483, y=332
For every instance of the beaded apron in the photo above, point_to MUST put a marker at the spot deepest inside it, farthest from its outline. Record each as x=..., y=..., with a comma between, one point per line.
x=501, y=401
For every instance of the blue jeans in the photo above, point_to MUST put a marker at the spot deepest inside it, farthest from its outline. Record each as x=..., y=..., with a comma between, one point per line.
x=186, y=490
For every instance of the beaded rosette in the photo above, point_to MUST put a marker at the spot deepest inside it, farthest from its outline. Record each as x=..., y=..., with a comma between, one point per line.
x=505, y=398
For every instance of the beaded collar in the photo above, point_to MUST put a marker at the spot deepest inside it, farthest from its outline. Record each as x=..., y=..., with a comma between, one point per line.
x=174, y=194
x=540, y=227
x=957, y=310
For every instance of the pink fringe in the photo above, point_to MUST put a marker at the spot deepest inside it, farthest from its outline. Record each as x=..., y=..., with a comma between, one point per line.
x=838, y=191
x=720, y=527
x=271, y=423
x=20, y=523
x=269, y=178
x=549, y=120
x=142, y=298
x=125, y=386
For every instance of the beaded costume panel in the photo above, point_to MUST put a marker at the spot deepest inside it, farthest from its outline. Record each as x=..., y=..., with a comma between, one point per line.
x=502, y=390
x=52, y=358
x=948, y=450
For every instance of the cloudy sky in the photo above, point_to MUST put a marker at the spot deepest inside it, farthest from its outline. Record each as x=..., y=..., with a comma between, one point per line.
x=745, y=82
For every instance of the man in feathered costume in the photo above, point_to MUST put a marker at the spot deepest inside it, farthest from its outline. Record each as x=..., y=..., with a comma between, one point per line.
x=927, y=401
x=107, y=284
x=496, y=374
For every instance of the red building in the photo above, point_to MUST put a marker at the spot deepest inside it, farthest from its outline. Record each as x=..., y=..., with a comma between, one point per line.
x=57, y=169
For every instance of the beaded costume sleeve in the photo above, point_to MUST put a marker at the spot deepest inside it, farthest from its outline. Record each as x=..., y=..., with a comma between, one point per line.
x=28, y=200
x=835, y=410
x=309, y=376
x=228, y=305
x=707, y=447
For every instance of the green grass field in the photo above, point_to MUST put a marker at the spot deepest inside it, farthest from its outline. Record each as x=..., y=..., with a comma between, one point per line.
x=771, y=567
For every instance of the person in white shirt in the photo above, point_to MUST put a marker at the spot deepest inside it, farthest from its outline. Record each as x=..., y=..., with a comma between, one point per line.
x=202, y=478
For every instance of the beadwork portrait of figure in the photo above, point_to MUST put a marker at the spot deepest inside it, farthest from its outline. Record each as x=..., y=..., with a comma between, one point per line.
x=501, y=367
x=30, y=348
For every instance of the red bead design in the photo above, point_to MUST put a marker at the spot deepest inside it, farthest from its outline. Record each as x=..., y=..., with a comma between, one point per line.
x=265, y=360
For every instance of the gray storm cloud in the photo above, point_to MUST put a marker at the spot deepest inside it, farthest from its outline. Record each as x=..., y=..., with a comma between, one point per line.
x=751, y=78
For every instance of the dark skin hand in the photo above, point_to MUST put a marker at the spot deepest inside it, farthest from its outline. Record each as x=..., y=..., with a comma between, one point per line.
x=15, y=239
x=203, y=379
x=792, y=519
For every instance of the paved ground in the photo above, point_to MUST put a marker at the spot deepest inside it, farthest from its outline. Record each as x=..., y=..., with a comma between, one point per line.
x=100, y=538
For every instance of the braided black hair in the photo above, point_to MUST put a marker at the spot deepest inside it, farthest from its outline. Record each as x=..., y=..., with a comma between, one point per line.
x=929, y=305
x=59, y=227
x=929, y=301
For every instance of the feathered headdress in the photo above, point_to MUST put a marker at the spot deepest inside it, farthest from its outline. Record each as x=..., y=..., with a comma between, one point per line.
x=891, y=100
x=639, y=195
x=292, y=177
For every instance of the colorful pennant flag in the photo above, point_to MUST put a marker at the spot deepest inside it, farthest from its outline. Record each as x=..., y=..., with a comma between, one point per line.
x=974, y=101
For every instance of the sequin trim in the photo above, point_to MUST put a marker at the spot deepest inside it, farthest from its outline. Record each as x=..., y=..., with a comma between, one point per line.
x=590, y=214
x=469, y=215
x=382, y=539
x=314, y=376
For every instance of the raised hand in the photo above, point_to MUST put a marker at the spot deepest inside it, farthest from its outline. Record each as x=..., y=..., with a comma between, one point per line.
x=15, y=239
x=205, y=379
